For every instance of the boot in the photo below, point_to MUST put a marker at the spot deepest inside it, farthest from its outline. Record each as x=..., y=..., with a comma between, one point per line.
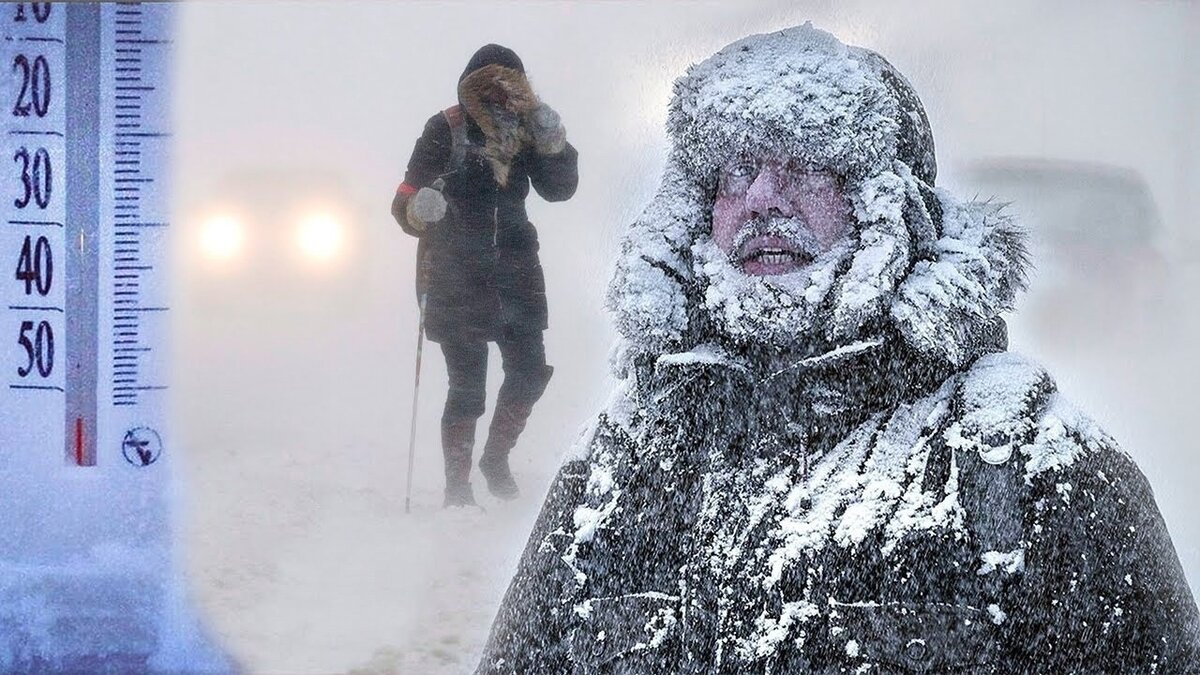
x=507, y=424
x=513, y=406
x=459, y=495
x=458, y=442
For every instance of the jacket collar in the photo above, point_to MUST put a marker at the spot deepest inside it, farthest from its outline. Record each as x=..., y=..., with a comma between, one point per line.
x=812, y=400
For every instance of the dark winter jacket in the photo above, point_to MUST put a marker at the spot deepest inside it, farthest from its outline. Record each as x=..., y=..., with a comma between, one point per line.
x=482, y=258
x=976, y=523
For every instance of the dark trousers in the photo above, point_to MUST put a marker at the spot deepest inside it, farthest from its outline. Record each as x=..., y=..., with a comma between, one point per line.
x=525, y=373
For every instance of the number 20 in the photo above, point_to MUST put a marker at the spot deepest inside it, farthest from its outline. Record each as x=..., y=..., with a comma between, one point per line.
x=35, y=85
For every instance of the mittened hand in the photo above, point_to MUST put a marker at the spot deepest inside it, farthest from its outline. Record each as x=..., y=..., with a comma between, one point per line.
x=549, y=135
x=425, y=208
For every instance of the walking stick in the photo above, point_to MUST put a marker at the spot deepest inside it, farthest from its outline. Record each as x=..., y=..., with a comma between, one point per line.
x=412, y=434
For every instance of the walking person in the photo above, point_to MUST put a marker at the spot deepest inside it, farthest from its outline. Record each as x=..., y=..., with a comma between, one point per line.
x=463, y=197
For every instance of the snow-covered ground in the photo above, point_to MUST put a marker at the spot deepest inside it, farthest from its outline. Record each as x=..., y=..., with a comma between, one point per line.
x=364, y=587
x=301, y=554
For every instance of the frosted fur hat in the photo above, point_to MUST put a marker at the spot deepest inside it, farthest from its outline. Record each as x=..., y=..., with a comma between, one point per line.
x=938, y=270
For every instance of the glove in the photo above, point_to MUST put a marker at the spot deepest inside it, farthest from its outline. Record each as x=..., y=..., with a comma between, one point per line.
x=546, y=128
x=425, y=208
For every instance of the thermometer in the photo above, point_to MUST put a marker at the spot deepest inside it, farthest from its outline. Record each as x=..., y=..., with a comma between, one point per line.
x=85, y=448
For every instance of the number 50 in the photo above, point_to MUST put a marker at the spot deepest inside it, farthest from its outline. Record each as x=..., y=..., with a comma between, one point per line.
x=40, y=351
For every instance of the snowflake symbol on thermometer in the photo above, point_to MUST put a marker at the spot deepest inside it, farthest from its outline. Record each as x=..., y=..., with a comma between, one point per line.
x=141, y=446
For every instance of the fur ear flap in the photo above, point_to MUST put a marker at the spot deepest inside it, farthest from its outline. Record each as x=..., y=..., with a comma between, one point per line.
x=882, y=251
x=503, y=141
x=977, y=268
x=648, y=292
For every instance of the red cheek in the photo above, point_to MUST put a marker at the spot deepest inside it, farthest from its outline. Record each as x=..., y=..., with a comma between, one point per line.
x=728, y=215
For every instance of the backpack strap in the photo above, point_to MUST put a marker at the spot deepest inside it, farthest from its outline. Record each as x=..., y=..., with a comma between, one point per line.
x=458, y=135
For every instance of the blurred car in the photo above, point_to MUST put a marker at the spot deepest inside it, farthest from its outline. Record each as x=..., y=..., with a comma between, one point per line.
x=287, y=275
x=288, y=243
x=1100, y=275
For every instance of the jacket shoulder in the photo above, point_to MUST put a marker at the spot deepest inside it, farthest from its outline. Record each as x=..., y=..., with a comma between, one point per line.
x=437, y=128
x=1008, y=410
x=1039, y=476
x=429, y=153
x=997, y=405
x=1096, y=536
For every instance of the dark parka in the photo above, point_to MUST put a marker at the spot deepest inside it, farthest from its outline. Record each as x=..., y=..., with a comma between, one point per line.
x=482, y=258
x=1097, y=586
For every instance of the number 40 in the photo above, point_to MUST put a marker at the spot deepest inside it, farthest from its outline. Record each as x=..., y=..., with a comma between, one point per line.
x=35, y=266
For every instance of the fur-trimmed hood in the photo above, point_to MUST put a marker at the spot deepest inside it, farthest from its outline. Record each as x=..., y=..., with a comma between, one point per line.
x=502, y=141
x=935, y=269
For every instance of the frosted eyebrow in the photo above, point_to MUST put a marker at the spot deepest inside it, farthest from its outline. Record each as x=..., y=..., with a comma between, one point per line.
x=815, y=175
x=736, y=168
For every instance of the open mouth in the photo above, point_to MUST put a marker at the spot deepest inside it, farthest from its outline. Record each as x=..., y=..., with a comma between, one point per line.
x=767, y=255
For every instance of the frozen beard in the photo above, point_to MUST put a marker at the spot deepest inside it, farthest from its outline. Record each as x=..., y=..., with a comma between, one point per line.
x=782, y=310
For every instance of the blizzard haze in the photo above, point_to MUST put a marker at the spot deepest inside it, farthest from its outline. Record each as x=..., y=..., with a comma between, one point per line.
x=296, y=323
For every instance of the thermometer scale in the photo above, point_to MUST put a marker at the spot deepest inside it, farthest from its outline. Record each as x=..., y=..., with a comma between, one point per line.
x=85, y=236
x=86, y=576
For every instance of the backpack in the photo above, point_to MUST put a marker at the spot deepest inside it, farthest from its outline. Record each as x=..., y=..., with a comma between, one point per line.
x=456, y=118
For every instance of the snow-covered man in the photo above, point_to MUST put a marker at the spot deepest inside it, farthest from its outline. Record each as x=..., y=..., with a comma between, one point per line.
x=821, y=458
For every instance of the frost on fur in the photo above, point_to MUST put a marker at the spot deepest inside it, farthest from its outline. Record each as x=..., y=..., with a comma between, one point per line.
x=939, y=271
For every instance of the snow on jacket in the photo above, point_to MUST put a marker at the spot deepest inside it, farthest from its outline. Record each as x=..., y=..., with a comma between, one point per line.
x=484, y=271
x=901, y=495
